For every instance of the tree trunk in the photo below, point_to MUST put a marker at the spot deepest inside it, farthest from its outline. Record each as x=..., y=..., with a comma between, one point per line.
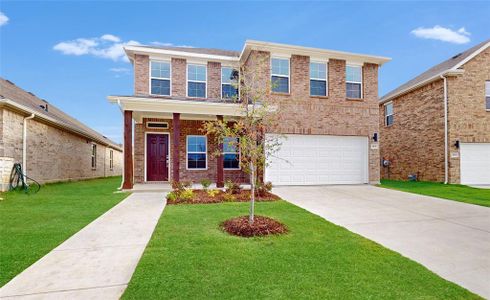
x=252, y=194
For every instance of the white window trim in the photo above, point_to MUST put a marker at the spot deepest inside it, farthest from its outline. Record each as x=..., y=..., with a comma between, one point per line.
x=239, y=158
x=221, y=82
x=320, y=79
x=386, y=115
x=147, y=123
x=187, y=81
x=362, y=79
x=487, y=95
x=93, y=162
x=111, y=159
x=280, y=75
x=161, y=78
x=187, y=153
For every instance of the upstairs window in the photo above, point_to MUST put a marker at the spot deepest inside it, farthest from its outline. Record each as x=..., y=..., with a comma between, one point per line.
x=231, y=154
x=487, y=94
x=318, y=79
x=389, y=114
x=229, y=88
x=280, y=75
x=196, y=152
x=196, y=81
x=354, y=82
x=160, y=78
x=94, y=156
x=111, y=160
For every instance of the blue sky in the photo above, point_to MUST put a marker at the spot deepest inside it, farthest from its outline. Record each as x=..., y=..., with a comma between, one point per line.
x=416, y=35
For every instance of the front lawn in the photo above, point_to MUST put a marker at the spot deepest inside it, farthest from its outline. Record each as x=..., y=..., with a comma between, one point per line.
x=32, y=225
x=190, y=257
x=457, y=192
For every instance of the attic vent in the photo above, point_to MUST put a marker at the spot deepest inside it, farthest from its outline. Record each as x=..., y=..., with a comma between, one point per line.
x=31, y=94
x=44, y=107
x=157, y=125
x=457, y=55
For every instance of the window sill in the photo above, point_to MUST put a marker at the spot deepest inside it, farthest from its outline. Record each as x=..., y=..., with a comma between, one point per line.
x=225, y=169
x=319, y=97
x=280, y=94
x=354, y=99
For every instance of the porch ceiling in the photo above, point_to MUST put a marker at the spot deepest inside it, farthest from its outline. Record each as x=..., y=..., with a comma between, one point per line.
x=153, y=106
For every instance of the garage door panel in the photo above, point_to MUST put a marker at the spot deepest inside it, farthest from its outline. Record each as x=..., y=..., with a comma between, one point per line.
x=475, y=163
x=314, y=159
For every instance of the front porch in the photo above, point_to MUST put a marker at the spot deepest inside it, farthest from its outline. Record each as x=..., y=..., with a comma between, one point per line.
x=164, y=142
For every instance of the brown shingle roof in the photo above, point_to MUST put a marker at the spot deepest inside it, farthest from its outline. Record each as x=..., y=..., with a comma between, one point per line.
x=8, y=90
x=210, y=51
x=435, y=71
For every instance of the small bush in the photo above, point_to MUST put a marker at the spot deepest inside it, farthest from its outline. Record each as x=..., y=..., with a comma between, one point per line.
x=172, y=196
x=263, y=188
x=186, y=195
x=232, y=187
x=212, y=193
x=205, y=183
x=227, y=197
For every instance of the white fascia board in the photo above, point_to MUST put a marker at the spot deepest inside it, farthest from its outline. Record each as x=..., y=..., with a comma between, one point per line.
x=59, y=123
x=449, y=72
x=177, y=106
x=163, y=53
x=312, y=52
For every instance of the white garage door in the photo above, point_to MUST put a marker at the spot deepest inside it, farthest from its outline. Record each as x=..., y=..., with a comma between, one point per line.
x=475, y=163
x=319, y=159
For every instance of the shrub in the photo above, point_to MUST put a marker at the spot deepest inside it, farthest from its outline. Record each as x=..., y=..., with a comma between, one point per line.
x=232, y=187
x=205, y=183
x=186, y=195
x=212, y=193
x=227, y=197
x=172, y=196
x=263, y=188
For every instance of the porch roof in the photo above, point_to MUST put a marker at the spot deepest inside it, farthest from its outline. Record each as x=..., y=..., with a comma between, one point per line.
x=165, y=106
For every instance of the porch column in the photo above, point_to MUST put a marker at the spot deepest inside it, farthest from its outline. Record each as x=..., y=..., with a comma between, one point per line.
x=128, y=150
x=219, y=161
x=175, y=148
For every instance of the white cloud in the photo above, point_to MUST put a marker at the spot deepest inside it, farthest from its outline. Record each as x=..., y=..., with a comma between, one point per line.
x=460, y=36
x=3, y=19
x=107, y=46
x=119, y=72
x=170, y=45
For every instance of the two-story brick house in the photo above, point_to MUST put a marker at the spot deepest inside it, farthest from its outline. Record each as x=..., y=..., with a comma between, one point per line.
x=437, y=125
x=331, y=126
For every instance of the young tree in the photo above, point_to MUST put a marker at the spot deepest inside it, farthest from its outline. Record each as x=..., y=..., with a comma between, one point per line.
x=259, y=114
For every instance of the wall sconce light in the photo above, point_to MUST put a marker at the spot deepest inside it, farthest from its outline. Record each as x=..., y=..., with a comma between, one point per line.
x=456, y=144
x=375, y=137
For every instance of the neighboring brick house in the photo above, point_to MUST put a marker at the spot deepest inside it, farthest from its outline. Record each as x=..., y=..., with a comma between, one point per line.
x=331, y=126
x=415, y=136
x=50, y=145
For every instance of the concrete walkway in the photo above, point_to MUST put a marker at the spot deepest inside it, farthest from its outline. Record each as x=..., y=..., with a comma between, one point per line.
x=450, y=238
x=98, y=261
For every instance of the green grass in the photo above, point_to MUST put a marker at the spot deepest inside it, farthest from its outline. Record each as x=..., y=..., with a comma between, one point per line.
x=32, y=225
x=457, y=192
x=189, y=257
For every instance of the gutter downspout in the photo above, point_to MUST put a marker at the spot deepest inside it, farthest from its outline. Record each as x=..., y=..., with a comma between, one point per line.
x=24, y=145
x=446, y=163
x=122, y=173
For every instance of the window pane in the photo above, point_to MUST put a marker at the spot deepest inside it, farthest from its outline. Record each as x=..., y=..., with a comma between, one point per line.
x=226, y=75
x=389, y=120
x=196, y=72
x=488, y=102
x=318, y=88
x=318, y=71
x=196, y=161
x=280, y=66
x=389, y=109
x=487, y=88
x=228, y=91
x=354, y=73
x=230, y=161
x=280, y=84
x=160, y=69
x=353, y=90
x=230, y=144
x=197, y=89
x=196, y=144
x=160, y=87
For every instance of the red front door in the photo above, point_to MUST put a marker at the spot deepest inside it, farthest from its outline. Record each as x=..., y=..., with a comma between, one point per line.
x=156, y=157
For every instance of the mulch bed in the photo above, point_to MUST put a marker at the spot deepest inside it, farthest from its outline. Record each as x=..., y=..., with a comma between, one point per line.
x=261, y=226
x=202, y=197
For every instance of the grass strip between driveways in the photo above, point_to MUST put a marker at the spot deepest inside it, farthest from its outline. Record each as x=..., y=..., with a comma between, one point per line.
x=32, y=225
x=190, y=257
x=456, y=192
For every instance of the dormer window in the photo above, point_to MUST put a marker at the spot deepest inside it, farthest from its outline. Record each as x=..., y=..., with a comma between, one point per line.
x=196, y=81
x=229, y=88
x=160, y=78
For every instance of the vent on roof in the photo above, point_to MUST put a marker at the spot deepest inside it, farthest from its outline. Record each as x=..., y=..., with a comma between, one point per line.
x=457, y=55
x=44, y=107
x=31, y=94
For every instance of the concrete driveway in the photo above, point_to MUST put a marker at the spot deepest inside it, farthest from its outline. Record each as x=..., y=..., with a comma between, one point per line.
x=450, y=238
